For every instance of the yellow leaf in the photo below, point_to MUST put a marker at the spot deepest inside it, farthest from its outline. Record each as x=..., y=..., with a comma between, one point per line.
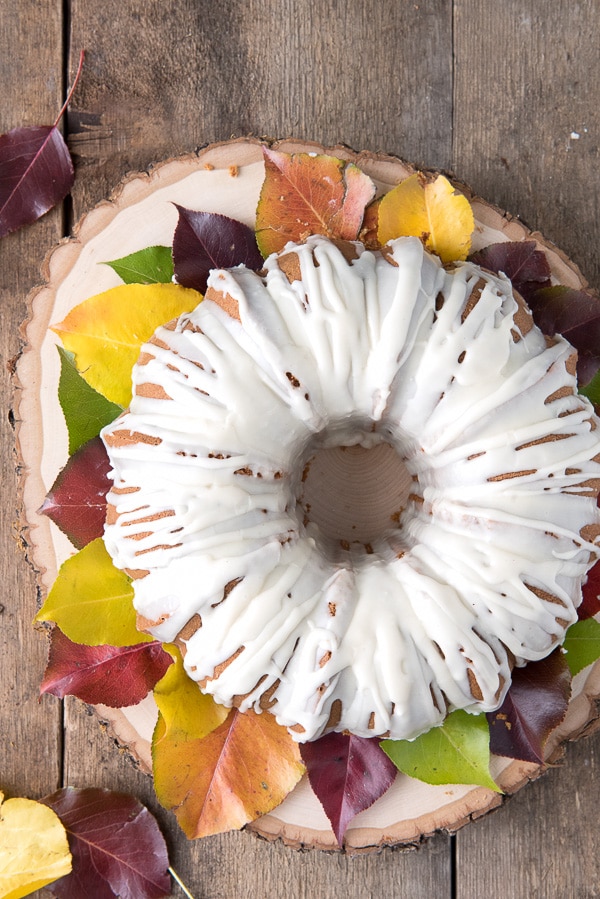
x=431, y=209
x=34, y=850
x=92, y=601
x=106, y=331
x=186, y=712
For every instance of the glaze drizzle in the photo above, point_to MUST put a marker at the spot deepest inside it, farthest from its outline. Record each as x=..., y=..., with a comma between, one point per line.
x=340, y=346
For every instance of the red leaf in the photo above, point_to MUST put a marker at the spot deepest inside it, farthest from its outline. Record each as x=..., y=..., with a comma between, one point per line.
x=117, y=847
x=590, y=604
x=535, y=704
x=207, y=240
x=36, y=171
x=77, y=500
x=110, y=675
x=347, y=774
x=521, y=262
x=576, y=315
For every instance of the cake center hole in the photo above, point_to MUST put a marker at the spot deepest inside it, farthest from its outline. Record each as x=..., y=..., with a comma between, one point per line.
x=354, y=495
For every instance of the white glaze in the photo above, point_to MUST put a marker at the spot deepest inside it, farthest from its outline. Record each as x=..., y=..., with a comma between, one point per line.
x=356, y=354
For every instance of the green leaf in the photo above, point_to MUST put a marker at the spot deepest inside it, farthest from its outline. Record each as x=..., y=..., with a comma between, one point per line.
x=86, y=411
x=154, y=265
x=582, y=644
x=592, y=390
x=92, y=601
x=455, y=753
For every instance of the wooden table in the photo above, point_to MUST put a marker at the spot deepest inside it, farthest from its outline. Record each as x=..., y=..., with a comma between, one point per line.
x=507, y=95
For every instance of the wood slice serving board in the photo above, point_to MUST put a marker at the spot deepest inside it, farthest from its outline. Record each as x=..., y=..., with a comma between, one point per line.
x=226, y=178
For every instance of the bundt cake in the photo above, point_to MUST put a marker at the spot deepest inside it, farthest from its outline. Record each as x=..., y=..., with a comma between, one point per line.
x=282, y=594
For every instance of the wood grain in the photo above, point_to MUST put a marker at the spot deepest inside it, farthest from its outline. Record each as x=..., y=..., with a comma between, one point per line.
x=526, y=133
x=495, y=91
x=527, y=117
x=30, y=733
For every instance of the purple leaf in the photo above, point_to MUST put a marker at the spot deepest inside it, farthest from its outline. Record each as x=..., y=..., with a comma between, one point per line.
x=521, y=262
x=347, y=774
x=535, y=704
x=117, y=847
x=590, y=604
x=206, y=240
x=36, y=171
x=576, y=315
x=110, y=675
x=76, y=502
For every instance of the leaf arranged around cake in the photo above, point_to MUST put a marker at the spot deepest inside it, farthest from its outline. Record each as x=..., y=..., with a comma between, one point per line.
x=102, y=657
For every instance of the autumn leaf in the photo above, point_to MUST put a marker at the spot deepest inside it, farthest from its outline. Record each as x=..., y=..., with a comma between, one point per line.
x=34, y=850
x=590, y=604
x=76, y=502
x=457, y=752
x=428, y=207
x=535, y=704
x=106, y=331
x=115, y=676
x=85, y=410
x=592, y=391
x=206, y=240
x=306, y=194
x=576, y=315
x=118, y=849
x=217, y=768
x=36, y=173
x=187, y=713
x=347, y=774
x=152, y=265
x=36, y=170
x=582, y=644
x=91, y=600
x=525, y=266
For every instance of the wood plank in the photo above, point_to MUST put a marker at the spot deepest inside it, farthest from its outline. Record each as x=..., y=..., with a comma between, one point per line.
x=526, y=127
x=165, y=81
x=164, y=78
x=527, y=118
x=31, y=78
x=543, y=842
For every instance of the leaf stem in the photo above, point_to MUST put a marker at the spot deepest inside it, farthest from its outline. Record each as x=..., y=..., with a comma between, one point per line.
x=180, y=882
x=72, y=89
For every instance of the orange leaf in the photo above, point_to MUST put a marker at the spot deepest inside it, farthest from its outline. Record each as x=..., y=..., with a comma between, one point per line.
x=239, y=771
x=304, y=194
